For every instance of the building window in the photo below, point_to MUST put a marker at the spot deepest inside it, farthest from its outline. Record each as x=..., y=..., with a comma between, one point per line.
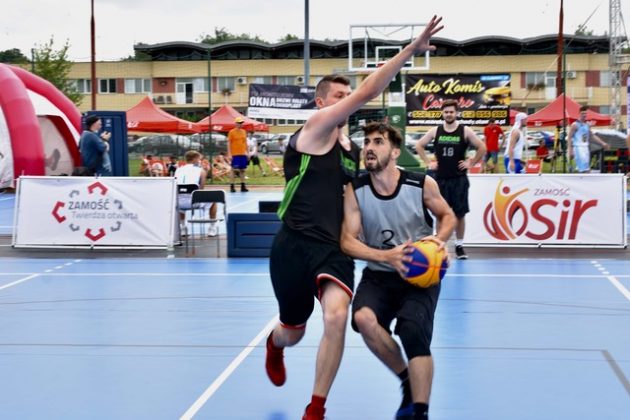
x=263, y=80
x=82, y=85
x=225, y=83
x=604, y=109
x=137, y=85
x=107, y=86
x=605, y=79
x=200, y=84
x=286, y=80
x=535, y=79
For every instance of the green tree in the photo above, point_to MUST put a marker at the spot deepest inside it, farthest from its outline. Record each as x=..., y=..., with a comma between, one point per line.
x=53, y=65
x=13, y=56
x=583, y=31
x=289, y=37
x=138, y=56
x=222, y=35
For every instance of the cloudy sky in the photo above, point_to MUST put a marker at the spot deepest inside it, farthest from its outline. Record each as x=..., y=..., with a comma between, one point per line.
x=120, y=24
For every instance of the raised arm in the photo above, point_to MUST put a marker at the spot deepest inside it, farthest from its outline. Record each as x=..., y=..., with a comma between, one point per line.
x=324, y=121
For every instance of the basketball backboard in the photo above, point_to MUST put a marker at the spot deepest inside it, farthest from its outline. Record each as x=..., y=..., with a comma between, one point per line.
x=370, y=46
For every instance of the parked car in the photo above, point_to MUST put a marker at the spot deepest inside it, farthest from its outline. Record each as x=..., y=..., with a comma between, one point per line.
x=163, y=145
x=217, y=144
x=615, y=139
x=276, y=144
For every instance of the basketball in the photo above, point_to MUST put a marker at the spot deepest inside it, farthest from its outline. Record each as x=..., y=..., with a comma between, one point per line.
x=428, y=265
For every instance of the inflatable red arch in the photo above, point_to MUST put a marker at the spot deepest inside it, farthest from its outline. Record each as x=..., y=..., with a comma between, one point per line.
x=39, y=127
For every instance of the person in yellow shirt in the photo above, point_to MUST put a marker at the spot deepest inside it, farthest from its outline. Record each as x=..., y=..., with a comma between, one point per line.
x=237, y=150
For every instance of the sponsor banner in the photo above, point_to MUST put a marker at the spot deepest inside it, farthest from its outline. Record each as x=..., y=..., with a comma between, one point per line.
x=480, y=97
x=281, y=101
x=95, y=212
x=558, y=210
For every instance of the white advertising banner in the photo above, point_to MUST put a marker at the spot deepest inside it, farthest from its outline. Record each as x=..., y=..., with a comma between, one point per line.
x=548, y=210
x=95, y=212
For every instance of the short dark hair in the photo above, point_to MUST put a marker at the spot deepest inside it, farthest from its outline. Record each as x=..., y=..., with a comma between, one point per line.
x=324, y=85
x=90, y=120
x=583, y=108
x=490, y=120
x=450, y=102
x=393, y=134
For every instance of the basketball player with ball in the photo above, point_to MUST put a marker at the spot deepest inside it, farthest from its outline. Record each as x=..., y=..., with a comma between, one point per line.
x=386, y=212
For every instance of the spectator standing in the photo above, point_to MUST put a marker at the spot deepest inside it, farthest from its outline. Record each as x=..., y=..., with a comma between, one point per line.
x=492, y=133
x=580, y=138
x=252, y=149
x=514, y=153
x=237, y=150
x=94, y=148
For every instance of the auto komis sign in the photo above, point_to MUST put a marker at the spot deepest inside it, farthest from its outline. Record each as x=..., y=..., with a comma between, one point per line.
x=541, y=210
x=92, y=212
x=95, y=212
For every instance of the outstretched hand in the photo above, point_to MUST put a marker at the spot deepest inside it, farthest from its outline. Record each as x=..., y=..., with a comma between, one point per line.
x=421, y=43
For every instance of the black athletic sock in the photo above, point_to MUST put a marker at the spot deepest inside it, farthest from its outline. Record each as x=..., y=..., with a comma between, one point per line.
x=420, y=411
x=405, y=387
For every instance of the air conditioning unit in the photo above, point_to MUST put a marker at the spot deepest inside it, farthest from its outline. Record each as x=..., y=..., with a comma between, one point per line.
x=299, y=80
x=571, y=74
x=241, y=80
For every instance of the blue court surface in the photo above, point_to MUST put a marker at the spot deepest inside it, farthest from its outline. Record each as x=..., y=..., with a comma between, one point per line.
x=109, y=337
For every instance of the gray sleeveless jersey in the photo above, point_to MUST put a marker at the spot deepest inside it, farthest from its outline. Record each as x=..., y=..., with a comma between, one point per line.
x=390, y=221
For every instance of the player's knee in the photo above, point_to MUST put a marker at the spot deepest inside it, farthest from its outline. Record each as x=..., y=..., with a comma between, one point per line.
x=415, y=337
x=293, y=335
x=365, y=320
x=336, y=318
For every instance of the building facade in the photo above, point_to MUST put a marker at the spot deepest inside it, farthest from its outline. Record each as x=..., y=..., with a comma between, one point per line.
x=176, y=75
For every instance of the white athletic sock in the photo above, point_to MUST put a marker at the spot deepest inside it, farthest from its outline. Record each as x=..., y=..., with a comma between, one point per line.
x=459, y=242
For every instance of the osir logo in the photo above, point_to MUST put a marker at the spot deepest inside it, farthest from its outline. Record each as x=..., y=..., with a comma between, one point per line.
x=506, y=218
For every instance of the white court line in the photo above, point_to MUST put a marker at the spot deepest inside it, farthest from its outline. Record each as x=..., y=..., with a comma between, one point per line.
x=232, y=274
x=6, y=199
x=22, y=280
x=228, y=371
x=179, y=274
x=619, y=286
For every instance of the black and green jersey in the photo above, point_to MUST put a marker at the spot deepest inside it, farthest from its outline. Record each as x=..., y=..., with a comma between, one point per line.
x=313, y=196
x=450, y=149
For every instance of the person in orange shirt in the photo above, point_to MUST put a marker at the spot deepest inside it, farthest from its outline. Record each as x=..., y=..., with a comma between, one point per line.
x=237, y=150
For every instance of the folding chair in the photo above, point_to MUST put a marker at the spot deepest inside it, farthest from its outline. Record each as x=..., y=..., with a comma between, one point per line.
x=184, y=202
x=201, y=199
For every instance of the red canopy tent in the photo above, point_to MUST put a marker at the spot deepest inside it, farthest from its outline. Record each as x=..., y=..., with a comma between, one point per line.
x=146, y=116
x=552, y=114
x=223, y=121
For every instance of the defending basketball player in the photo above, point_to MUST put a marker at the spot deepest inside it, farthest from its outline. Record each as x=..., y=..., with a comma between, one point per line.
x=389, y=209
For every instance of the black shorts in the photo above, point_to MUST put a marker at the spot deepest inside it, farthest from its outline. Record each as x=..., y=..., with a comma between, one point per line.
x=455, y=192
x=254, y=161
x=389, y=296
x=299, y=265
